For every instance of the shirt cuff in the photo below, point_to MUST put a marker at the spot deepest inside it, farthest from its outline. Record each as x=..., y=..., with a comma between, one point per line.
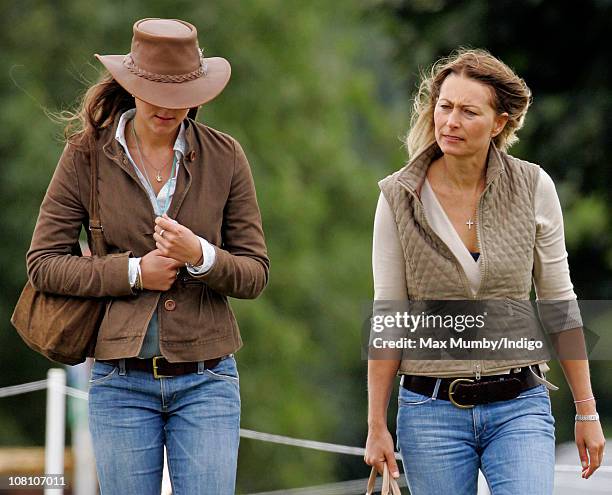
x=209, y=259
x=133, y=270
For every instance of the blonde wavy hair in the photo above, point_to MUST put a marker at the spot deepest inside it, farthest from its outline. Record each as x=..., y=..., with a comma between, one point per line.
x=510, y=95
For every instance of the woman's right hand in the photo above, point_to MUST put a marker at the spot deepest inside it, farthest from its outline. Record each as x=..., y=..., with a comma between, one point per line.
x=158, y=272
x=379, y=449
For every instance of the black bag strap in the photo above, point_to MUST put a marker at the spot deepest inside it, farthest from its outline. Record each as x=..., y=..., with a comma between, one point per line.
x=95, y=225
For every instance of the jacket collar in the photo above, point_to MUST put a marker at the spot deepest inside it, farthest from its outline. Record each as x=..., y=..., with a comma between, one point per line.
x=413, y=174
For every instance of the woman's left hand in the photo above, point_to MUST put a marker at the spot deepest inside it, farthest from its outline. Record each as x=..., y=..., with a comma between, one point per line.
x=589, y=438
x=176, y=241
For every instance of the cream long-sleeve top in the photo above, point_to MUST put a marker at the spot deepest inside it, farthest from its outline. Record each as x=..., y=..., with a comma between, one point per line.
x=551, y=275
x=551, y=271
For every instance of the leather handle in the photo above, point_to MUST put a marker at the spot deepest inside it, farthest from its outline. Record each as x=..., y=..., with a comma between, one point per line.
x=95, y=226
x=389, y=484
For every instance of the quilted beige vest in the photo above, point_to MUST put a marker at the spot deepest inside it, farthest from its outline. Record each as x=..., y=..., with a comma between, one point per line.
x=506, y=235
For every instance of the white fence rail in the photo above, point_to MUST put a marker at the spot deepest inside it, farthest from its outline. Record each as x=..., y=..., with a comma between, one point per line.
x=57, y=390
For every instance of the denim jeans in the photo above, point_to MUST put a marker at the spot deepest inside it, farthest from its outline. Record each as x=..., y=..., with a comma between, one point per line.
x=512, y=442
x=132, y=415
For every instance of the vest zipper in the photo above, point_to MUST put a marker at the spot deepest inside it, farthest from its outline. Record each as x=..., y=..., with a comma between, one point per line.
x=477, y=366
x=462, y=275
x=483, y=268
x=477, y=370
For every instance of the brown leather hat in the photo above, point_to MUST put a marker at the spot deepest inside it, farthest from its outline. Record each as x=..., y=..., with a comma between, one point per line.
x=166, y=66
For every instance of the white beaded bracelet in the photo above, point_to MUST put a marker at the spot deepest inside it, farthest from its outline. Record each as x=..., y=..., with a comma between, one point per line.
x=587, y=417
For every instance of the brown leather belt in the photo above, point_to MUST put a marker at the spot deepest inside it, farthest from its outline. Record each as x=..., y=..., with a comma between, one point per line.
x=468, y=392
x=162, y=368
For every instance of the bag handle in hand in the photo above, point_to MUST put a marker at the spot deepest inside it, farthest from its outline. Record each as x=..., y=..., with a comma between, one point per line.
x=389, y=484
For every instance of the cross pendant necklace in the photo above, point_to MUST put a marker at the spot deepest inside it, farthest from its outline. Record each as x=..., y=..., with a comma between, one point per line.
x=471, y=222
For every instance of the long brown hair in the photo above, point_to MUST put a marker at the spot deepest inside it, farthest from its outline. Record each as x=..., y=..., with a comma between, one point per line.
x=99, y=107
x=510, y=94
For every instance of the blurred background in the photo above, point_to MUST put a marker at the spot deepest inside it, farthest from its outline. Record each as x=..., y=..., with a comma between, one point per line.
x=320, y=100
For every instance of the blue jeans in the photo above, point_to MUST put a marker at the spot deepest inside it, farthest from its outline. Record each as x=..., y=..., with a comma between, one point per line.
x=132, y=415
x=512, y=442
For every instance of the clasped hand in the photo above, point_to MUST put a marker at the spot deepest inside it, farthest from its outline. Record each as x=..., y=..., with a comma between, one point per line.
x=176, y=245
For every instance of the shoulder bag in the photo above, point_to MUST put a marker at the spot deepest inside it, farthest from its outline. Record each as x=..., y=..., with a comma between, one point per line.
x=65, y=328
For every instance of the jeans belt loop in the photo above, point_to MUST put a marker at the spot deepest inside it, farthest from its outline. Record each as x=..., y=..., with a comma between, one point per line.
x=434, y=396
x=200, y=367
x=122, y=367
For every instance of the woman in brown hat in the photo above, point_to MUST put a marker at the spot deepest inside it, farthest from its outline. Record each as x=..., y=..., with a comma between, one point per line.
x=180, y=219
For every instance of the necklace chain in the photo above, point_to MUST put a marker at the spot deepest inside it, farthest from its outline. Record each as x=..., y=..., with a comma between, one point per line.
x=164, y=209
x=469, y=221
x=158, y=176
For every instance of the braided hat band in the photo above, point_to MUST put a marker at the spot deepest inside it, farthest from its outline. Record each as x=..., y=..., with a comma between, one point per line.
x=128, y=61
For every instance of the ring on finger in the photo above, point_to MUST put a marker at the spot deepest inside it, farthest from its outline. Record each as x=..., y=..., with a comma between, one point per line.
x=161, y=232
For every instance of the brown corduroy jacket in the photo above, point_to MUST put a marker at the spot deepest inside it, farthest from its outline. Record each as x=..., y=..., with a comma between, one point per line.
x=214, y=197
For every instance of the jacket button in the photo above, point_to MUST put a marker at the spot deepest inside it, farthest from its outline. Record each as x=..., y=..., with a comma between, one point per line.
x=191, y=156
x=170, y=305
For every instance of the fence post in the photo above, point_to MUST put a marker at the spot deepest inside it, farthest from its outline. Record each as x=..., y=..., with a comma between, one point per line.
x=54, y=430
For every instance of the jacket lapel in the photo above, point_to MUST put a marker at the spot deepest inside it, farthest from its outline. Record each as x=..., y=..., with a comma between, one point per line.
x=183, y=182
x=113, y=150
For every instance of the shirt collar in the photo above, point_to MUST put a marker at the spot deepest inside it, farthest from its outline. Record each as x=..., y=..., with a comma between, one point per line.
x=179, y=144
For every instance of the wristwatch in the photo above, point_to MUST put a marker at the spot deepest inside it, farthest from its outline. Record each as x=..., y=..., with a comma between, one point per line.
x=587, y=417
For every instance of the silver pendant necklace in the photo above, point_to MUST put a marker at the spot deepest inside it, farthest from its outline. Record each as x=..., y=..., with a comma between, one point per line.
x=158, y=175
x=469, y=221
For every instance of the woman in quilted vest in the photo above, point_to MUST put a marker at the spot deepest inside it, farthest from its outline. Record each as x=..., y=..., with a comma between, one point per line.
x=181, y=224
x=464, y=220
